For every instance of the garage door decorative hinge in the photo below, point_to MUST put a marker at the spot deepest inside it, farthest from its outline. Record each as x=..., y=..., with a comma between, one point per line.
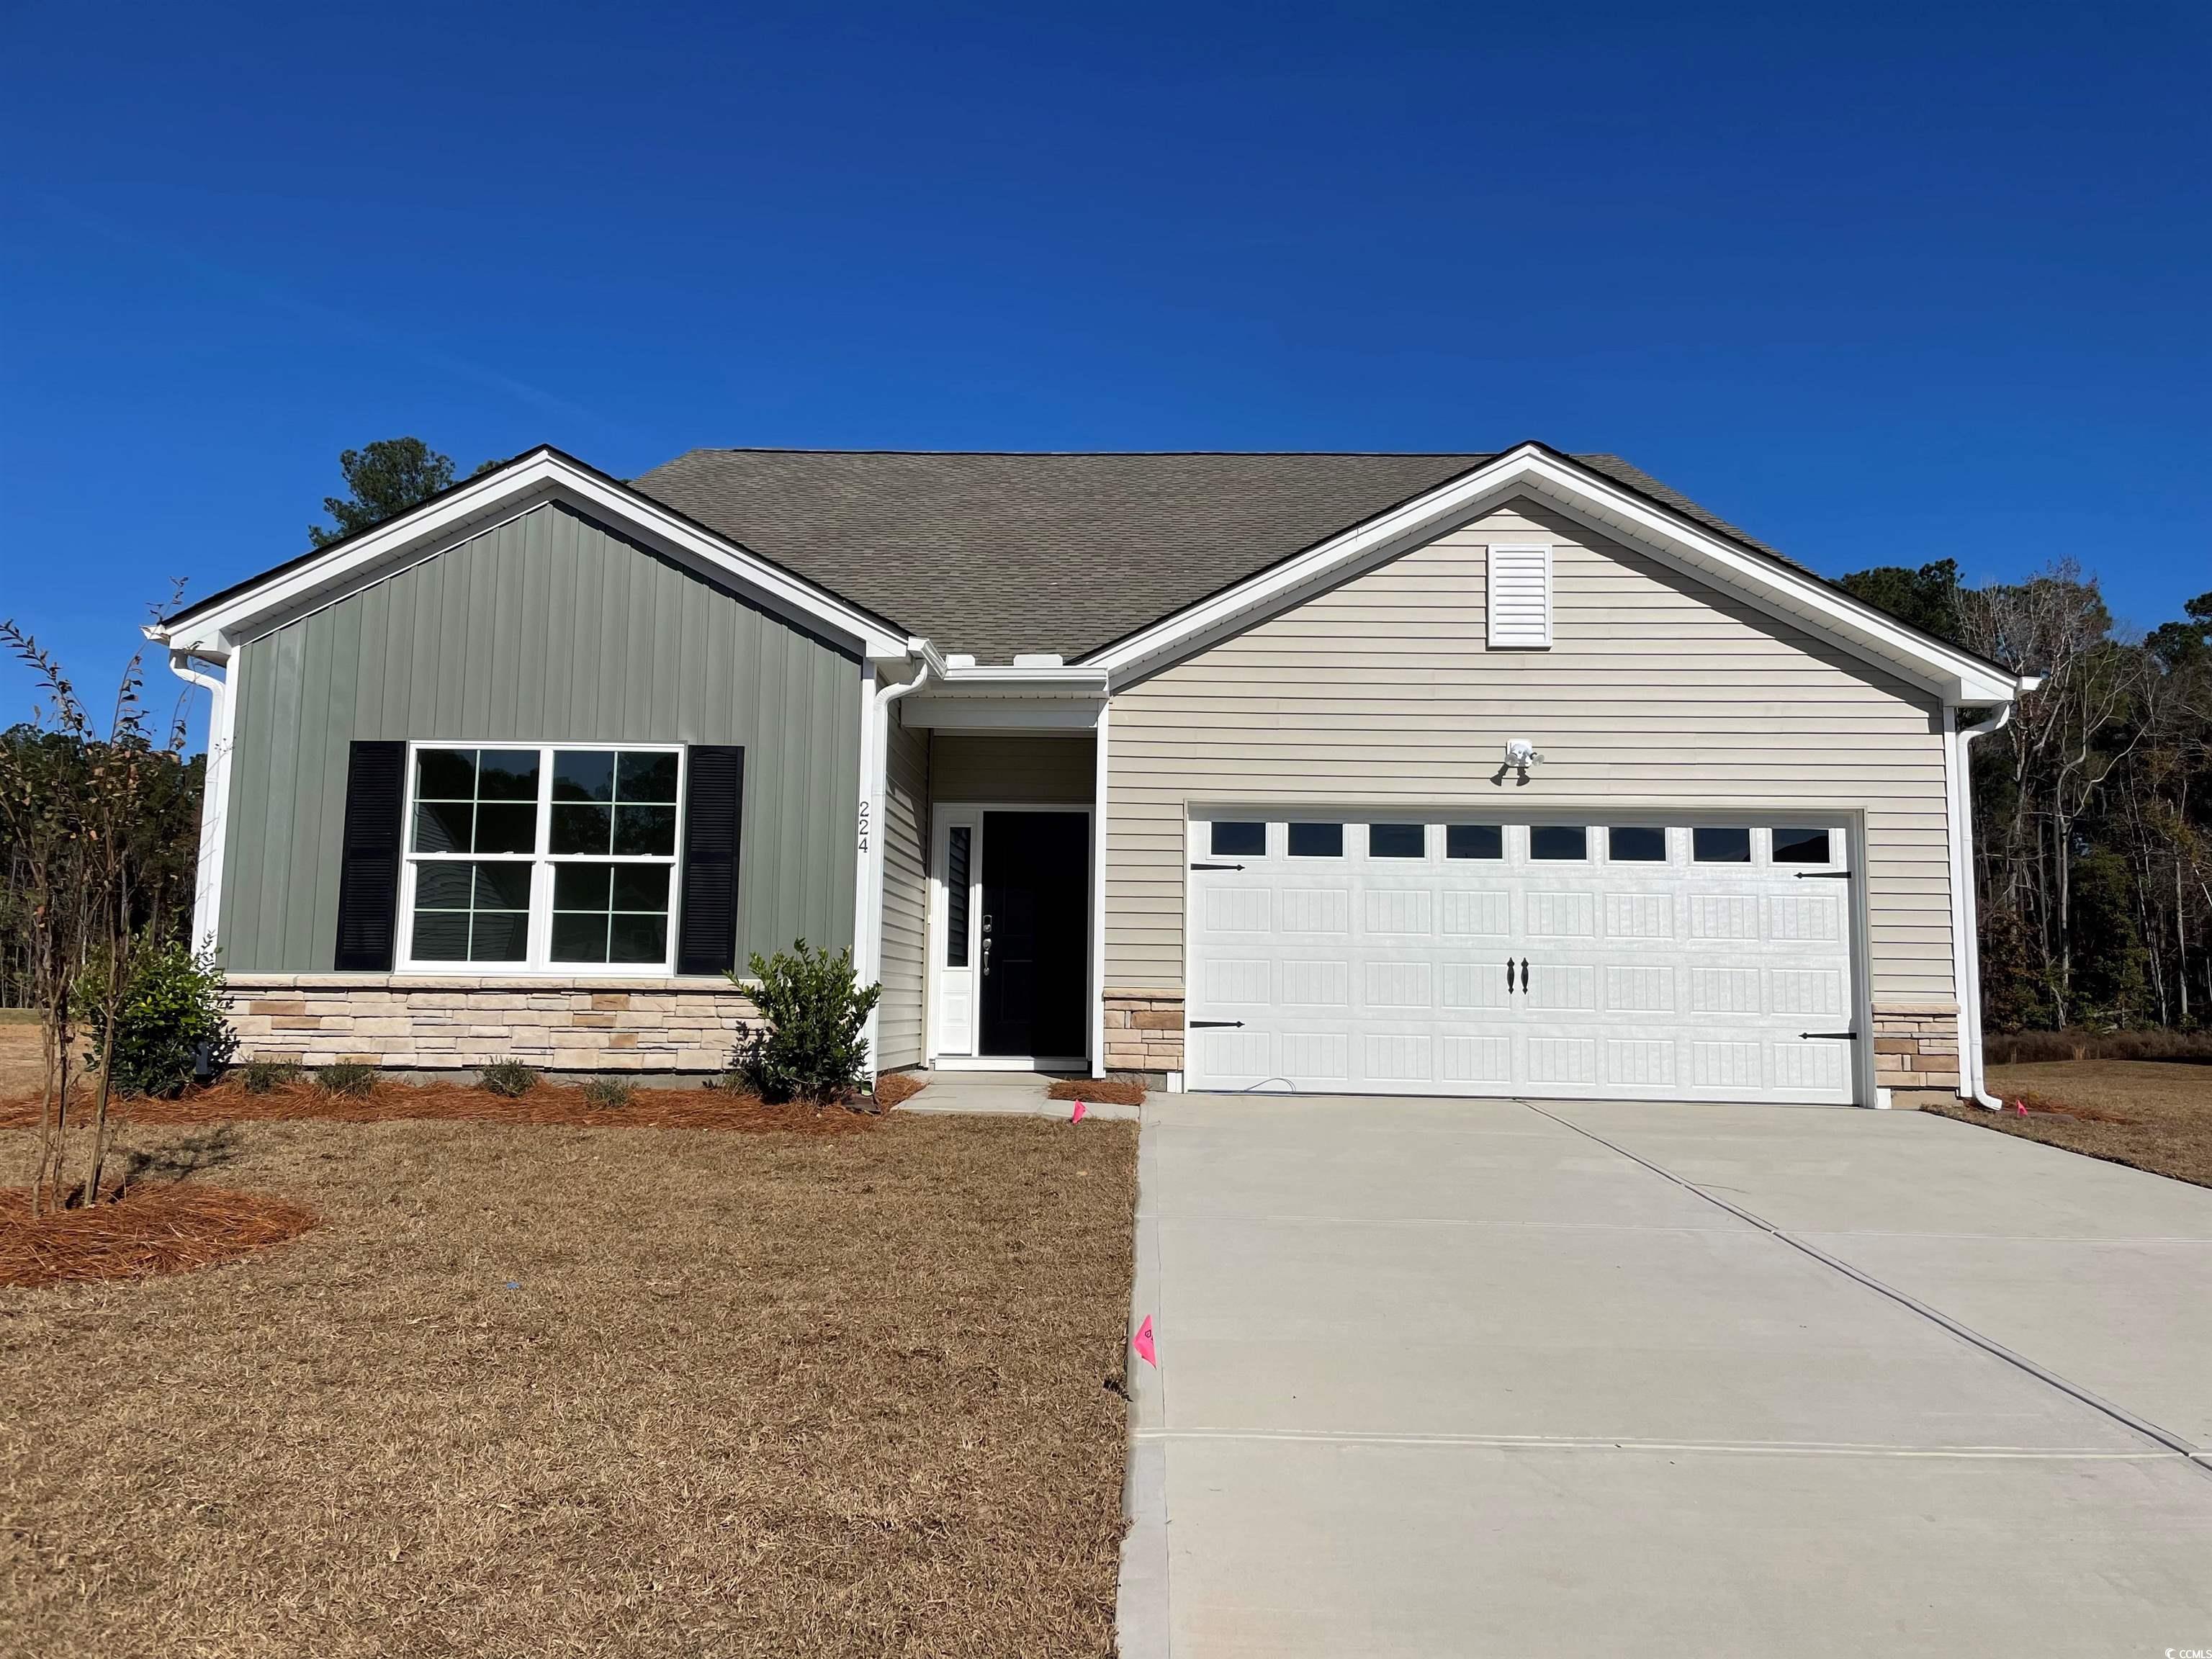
x=1823, y=875
x=1213, y=1024
x=1833, y=1036
x=1217, y=866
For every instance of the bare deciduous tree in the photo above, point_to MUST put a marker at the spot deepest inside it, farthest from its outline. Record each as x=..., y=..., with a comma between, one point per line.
x=75, y=804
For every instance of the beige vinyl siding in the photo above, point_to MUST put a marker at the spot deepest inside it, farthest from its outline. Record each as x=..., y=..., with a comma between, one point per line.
x=1056, y=769
x=1658, y=691
x=905, y=896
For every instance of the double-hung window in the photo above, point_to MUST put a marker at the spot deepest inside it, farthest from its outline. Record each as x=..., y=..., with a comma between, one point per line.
x=559, y=858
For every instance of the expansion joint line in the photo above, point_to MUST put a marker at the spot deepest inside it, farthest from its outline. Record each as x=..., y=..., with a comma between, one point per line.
x=2196, y=1457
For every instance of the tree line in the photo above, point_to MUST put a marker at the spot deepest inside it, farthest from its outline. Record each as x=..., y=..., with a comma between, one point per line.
x=2092, y=806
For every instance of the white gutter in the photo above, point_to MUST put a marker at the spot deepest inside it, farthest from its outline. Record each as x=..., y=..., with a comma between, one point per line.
x=868, y=939
x=215, y=795
x=1965, y=929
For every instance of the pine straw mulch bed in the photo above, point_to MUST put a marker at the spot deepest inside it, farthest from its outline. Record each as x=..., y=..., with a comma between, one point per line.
x=549, y=1102
x=2148, y=1114
x=564, y=1390
x=1099, y=1090
x=170, y=1229
x=893, y=1087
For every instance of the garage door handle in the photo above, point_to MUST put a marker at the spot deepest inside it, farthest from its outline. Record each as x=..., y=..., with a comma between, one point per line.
x=1508, y=976
x=1524, y=975
x=1831, y=1036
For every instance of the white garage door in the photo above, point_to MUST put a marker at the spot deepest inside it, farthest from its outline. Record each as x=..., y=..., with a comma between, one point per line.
x=1570, y=958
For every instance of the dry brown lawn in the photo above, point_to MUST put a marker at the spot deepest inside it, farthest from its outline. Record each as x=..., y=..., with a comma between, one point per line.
x=528, y=1391
x=2152, y=1114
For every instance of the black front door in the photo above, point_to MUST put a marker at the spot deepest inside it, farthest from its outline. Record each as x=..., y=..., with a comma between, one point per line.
x=1036, y=933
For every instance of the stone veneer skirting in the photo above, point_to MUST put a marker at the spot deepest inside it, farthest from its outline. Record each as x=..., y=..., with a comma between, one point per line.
x=1916, y=1049
x=466, y=1020
x=1144, y=1030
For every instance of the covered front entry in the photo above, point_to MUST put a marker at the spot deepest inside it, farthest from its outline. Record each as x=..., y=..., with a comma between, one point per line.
x=1012, y=939
x=1668, y=958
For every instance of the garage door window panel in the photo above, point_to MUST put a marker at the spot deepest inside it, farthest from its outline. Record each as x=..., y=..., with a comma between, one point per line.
x=1239, y=838
x=1474, y=841
x=1722, y=845
x=1560, y=843
x=1317, y=840
x=1797, y=846
x=1397, y=840
x=1636, y=844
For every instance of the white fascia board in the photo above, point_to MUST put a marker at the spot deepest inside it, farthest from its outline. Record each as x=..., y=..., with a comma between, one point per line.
x=479, y=505
x=991, y=678
x=946, y=714
x=1531, y=469
x=993, y=697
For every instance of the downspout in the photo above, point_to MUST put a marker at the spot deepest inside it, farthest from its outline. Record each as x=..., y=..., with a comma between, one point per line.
x=871, y=969
x=1972, y=1074
x=215, y=798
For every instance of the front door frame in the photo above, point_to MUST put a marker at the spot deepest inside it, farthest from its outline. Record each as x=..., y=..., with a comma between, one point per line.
x=943, y=815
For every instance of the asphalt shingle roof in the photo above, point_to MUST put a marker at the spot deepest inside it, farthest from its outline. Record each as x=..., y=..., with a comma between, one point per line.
x=995, y=553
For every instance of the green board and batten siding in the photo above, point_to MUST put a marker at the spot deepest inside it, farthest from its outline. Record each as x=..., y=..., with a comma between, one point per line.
x=548, y=628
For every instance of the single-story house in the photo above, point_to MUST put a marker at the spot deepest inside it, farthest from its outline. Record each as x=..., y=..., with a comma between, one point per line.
x=1512, y=774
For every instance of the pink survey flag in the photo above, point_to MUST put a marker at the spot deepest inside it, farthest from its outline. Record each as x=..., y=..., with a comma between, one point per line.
x=1142, y=1342
x=1076, y=1116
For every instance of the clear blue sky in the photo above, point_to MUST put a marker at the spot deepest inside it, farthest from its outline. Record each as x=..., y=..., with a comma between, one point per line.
x=1882, y=285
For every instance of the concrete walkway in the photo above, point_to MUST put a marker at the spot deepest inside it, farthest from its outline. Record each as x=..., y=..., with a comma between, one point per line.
x=1001, y=1094
x=1456, y=1377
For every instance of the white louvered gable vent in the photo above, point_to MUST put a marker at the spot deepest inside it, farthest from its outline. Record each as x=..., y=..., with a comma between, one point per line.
x=1521, y=596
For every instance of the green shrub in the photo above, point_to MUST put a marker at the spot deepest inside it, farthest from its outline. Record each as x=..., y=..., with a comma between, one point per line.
x=507, y=1078
x=812, y=1047
x=608, y=1092
x=171, y=1012
x=349, y=1079
x=261, y=1077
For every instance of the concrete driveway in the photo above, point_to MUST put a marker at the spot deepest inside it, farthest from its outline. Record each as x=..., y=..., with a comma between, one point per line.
x=1456, y=1377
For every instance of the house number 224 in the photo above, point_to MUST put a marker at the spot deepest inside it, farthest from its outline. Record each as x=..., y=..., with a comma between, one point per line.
x=864, y=826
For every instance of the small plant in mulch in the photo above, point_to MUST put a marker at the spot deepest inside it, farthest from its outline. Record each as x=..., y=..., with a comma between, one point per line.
x=607, y=1093
x=1099, y=1090
x=142, y=1230
x=348, y=1080
x=261, y=1077
x=813, y=1047
x=168, y=1025
x=507, y=1079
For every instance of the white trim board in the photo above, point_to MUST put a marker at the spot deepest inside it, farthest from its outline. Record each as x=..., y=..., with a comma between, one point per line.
x=1559, y=482
x=541, y=477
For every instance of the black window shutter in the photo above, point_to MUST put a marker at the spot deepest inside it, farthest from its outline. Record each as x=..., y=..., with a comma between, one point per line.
x=369, y=876
x=713, y=812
